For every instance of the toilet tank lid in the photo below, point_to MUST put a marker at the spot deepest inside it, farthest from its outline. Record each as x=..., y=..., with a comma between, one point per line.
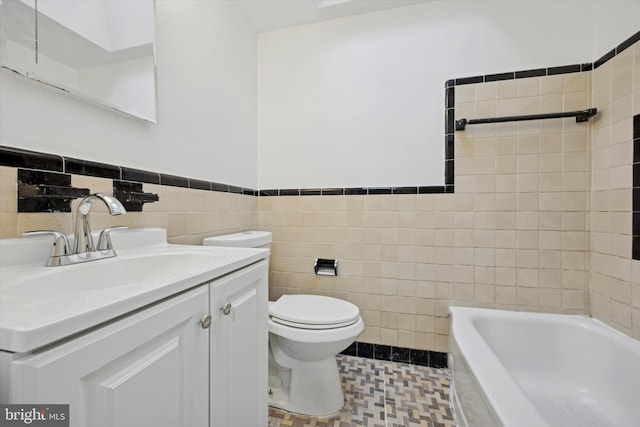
x=313, y=310
x=244, y=239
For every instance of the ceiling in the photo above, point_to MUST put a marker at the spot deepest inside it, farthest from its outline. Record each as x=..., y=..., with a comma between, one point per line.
x=267, y=15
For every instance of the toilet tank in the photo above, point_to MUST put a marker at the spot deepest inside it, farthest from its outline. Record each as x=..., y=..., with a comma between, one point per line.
x=244, y=239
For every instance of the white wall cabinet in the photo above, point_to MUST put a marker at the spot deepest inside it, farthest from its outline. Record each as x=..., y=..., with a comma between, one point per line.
x=239, y=348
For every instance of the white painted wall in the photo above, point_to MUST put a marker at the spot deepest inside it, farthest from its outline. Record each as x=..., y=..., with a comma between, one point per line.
x=358, y=101
x=207, y=104
x=613, y=23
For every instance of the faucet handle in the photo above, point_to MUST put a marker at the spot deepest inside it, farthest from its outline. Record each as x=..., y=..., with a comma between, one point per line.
x=60, y=244
x=104, y=240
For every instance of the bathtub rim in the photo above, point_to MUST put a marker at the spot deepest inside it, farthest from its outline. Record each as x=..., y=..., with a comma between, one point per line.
x=508, y=402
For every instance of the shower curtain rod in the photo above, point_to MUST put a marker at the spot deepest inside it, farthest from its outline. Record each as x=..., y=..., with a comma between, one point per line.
x=581, y=116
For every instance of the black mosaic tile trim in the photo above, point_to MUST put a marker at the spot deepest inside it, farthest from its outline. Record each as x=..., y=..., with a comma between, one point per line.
x=310, y=192
x=434, y=359
x=635, y=242
x=499, y=77
x=132, y=195
x=354, y=191
x=174, y=181
x=469, y=80
x=604, y=58
x=380, y=190
x=44, y=191
x=539, y=72
x=137, y=175
x=449, y=147
x=268, y=193
x=431, y=190
x=18, y=158
x=249, y=192
x=289, y=192
x=223, y=188
x=235, y=189
x=198, y=184
x=85, y=167
x=628, y=43
x=333, y=191
x=405, y=190
x=565, y=69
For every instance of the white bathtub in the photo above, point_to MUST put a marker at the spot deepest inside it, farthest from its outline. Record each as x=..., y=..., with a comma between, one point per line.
x=517, y=369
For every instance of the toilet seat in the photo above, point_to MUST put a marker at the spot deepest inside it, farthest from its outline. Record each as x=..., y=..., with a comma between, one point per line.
x=313, y=312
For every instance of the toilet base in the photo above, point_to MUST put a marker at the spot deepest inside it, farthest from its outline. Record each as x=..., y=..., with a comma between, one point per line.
x=307, y=387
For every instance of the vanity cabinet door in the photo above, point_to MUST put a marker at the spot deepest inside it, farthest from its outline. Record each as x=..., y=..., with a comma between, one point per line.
x=238, y=348
x=148, y=369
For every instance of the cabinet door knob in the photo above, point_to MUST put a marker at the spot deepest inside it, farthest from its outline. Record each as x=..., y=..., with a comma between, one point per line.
x=226, y=309
x=205, y=322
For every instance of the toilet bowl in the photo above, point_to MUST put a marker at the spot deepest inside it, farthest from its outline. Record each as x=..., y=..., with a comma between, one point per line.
x=305, y=334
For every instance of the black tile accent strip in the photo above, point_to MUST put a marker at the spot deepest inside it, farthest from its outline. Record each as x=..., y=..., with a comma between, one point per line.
x=635, y=198
x=587, y=67
x=333, y=191
x=434, y=359
x=249, y=192
x=469, y=80
x=289, y=192
x=565, y=69
x=44, y=191
x=531, y=73
x=137, y=175
x=223, y=188
x=236, y=190
x=199, y=184
x=604, y=58
x=311, y=192
x=267, y=193
x=380, y=190
x=132, y=195
x=628, y=43
x=174, y=181
x=355, y=191
x=498, y=77
x=449, y=147
x=84, y=167
x=18, y=158
x=405, y=190
x=431, y=190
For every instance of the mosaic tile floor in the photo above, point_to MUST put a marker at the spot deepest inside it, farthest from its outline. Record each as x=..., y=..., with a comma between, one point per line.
x=383, y=394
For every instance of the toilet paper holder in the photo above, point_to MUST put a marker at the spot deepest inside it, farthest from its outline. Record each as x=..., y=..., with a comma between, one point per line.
x=326, y=267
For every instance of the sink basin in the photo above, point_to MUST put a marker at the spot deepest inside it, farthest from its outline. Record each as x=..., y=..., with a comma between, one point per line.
x=40, y=305
x=120, y=271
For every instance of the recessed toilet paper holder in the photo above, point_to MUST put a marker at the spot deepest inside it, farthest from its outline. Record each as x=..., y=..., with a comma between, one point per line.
x=326, y=267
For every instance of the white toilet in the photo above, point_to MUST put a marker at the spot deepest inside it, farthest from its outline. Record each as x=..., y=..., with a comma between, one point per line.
x=305, y=334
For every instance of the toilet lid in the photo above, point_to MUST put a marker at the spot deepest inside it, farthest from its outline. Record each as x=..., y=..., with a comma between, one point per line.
x=313, y=311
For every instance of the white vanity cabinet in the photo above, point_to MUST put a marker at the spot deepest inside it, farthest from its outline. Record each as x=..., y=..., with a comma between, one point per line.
x=146, y=369
x=239, y=348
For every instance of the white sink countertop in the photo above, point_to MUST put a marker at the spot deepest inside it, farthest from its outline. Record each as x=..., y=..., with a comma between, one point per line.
x=40, y=305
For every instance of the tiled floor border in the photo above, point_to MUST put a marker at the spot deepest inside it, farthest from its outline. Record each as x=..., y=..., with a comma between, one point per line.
x=433, y=359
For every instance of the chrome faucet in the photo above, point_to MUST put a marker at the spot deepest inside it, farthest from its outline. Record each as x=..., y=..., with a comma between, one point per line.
x=82, y=238
x=83, y=247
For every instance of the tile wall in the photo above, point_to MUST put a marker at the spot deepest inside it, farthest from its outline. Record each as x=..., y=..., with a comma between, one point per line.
x=615, y=277
x=514, y=234
x=188, y=214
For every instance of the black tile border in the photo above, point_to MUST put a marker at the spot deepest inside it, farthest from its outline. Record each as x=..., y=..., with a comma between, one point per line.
x=433, y=359
x=635, y=226
x=26, y=159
